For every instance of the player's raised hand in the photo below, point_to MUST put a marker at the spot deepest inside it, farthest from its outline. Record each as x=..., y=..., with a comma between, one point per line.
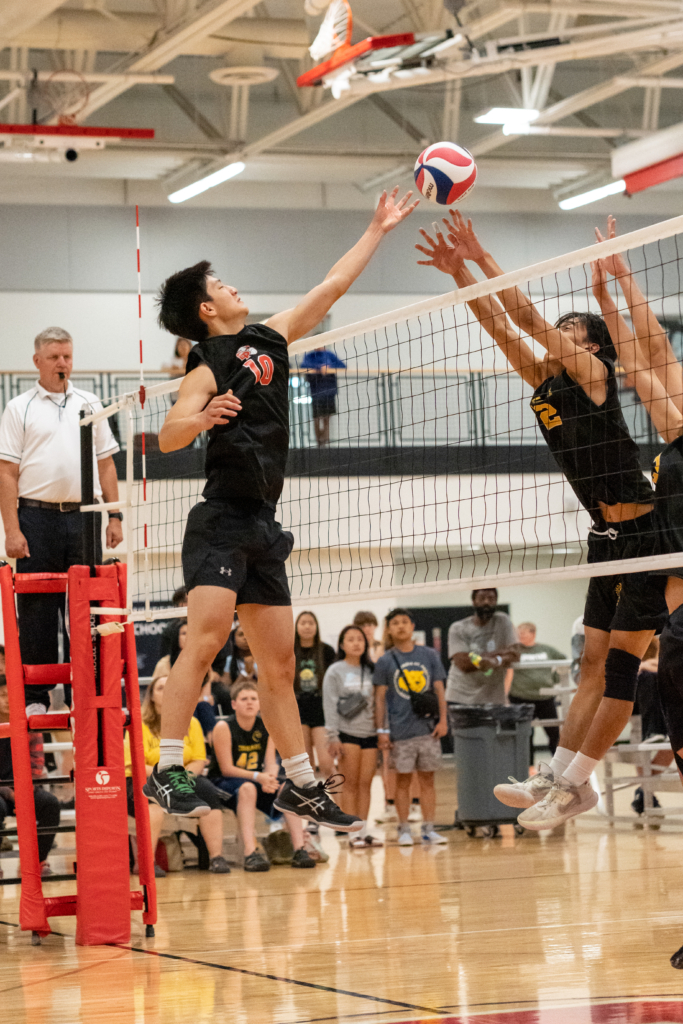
x=389, y=212
x=442, y=255
x=220, y=410
x=598, y=278
x=462, y=236
x=615, y=265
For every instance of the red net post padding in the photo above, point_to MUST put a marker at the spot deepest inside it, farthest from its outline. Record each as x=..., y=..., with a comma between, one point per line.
x=137, y=753
x=32, y=916
x=103, y=903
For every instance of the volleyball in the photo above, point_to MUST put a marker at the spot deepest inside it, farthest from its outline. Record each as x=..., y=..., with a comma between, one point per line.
x=445, y=173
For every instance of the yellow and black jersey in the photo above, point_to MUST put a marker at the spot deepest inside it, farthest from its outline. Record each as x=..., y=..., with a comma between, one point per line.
x=667, y=475
x=590, y=442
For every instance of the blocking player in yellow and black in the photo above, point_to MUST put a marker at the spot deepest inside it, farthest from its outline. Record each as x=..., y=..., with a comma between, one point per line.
x=577, y=408
x=244, y=766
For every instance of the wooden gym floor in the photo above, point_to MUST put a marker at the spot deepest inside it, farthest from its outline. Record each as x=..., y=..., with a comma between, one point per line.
x=564, y=929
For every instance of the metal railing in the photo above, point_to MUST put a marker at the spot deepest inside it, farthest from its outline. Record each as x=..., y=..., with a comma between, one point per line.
x=382, y=408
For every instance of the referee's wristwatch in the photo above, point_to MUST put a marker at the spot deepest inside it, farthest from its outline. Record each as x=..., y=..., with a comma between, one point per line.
x=116, y=515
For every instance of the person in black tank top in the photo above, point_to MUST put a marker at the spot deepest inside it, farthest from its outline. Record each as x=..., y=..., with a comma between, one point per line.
x=577, y=408
x=234, y=551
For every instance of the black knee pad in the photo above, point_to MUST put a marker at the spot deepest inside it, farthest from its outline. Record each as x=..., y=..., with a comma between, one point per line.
x=621, y=675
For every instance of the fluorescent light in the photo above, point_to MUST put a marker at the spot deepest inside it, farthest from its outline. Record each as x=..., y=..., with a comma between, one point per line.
x=507, y=115
x=210, y=181
x=613, y=189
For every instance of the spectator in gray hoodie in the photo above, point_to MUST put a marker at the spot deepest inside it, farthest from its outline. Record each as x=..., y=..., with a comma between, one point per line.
x=348, y=704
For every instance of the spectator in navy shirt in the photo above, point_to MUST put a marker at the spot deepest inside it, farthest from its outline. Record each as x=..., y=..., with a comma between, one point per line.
x=319, y=366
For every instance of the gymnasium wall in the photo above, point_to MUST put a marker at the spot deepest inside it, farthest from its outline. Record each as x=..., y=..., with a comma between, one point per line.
x=85, y=279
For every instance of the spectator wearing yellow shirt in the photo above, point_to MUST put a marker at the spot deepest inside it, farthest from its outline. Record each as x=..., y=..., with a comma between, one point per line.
x=194, y=760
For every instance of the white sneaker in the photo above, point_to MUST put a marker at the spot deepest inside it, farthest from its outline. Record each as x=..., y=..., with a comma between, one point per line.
x=564, y=801
x=433, y=838
x=415, y=813
x=527, y=793
x=405, y=839
x=35, y=709
x=388, y=815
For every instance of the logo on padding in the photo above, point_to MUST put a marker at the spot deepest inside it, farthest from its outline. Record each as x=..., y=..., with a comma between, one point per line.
x=102, y=778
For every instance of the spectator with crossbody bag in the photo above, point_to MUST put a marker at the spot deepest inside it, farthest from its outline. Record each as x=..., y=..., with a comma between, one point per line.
x=348, y=705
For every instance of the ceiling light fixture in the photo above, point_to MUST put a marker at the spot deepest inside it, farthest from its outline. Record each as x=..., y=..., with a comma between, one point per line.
x=611, y=189
x=507, y=115
x=210, y=181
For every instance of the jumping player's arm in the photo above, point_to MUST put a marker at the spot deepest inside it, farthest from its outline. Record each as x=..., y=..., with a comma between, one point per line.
x=198, y=408
x=487, y=310
x=307, y=314
x=652, y=338
x=581, y=365
x=661, y=409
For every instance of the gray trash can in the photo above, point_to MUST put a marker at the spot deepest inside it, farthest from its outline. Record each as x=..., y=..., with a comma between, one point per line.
x=491, y=742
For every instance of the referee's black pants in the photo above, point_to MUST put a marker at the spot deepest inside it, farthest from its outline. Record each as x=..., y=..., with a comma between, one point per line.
x=545, y=708
x=47, y=815
x=55, y=540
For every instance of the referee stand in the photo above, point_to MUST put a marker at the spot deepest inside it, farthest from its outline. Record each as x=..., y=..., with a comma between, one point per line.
x=102, y=655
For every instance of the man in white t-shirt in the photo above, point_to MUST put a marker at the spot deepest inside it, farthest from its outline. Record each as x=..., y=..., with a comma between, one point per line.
x=40, y=492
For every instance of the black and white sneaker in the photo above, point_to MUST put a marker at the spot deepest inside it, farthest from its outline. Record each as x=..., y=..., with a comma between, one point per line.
x=314, y=803
x=174, y=789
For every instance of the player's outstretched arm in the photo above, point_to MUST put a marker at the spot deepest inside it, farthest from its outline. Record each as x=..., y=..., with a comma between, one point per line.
x=662, y=411
x=579, y=363
x=198, y=408
x=450, y=260
x=307, y=314
x=651, y=336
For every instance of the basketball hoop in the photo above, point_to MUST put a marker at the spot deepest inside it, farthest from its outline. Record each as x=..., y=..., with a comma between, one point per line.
x=66, y=93
x=335, y=31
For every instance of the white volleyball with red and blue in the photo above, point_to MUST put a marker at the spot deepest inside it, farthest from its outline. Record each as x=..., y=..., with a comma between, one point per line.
x=445, y=173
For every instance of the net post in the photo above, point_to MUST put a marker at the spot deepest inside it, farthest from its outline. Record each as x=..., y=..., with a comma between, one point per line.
x=88, y=494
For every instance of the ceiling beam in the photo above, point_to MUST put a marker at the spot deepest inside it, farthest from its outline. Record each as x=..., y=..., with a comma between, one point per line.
x=185, y=104
x=586, y=98
x=17, y=16
x=211, y=16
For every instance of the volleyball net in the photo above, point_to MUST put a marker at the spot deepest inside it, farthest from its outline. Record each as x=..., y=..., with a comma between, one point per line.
x=436, y=474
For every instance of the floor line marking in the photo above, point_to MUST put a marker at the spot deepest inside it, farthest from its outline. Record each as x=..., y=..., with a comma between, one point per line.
x=288, y=981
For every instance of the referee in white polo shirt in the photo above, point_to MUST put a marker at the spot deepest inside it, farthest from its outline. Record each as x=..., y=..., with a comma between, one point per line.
x=40, y=493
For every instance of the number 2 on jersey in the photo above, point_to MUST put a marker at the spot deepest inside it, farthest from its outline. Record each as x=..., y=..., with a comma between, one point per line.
x=548, y=415
x=264, y=371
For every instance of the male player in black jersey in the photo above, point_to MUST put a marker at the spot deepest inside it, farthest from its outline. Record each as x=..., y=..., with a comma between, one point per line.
x=578, y=411
x=234, y=551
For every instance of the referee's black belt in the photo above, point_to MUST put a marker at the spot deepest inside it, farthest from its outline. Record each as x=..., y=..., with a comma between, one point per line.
x=52, y=506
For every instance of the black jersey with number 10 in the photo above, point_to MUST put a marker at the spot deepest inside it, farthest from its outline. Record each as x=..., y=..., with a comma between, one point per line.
x=246, y=457
x=591, y=443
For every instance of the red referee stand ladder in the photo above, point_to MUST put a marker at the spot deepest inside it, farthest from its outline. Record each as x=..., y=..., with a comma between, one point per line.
x=102, y=655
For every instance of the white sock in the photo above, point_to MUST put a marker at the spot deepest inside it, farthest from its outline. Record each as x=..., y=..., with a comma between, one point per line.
x=298, y=769
x=363, y=832
x=170, y=753
x=580, y=770
x=562, y=758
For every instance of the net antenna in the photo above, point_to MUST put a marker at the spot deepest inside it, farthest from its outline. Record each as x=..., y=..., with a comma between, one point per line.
x=335, y=31
x=143, y=507
x=65, y=94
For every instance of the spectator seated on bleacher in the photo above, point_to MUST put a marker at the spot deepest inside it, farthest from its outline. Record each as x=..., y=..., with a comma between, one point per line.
x=244, y=766
x=194, y=759
x=46, y=803
x=528, y=682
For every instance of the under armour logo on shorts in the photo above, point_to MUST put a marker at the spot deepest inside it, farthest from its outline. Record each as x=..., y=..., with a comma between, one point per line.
x=225, y=572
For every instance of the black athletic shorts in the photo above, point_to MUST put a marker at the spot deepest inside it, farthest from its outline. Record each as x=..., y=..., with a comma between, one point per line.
x=364, y=742
x=238, y=545
x=311, y=709
x=324, y=405
x=627, y=601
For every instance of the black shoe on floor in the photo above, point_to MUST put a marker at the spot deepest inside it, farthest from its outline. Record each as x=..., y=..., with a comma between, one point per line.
x=314, y=803
x=159, y=871
x=174, y=789
x=219, y=866
x=638, y=802
x=302, y=859
x=256, y=862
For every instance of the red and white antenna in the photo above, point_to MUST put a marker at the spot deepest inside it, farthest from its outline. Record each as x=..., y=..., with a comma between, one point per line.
x=142, y=416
